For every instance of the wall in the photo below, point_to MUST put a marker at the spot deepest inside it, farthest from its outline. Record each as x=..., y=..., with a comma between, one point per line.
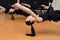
x=56, y=4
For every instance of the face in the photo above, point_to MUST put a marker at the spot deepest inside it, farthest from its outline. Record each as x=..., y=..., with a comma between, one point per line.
x=30, y=18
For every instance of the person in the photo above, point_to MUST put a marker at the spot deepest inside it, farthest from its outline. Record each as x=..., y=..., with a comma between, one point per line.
x=51, y=14
x=28, y=11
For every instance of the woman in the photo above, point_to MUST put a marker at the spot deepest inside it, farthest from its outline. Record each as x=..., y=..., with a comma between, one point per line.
x=27, y=10
x=49, y=15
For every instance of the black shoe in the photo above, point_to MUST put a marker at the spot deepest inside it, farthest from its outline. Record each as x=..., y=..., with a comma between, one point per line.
x=30, y=34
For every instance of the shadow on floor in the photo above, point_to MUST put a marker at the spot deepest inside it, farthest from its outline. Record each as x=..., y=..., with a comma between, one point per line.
x=49, y=32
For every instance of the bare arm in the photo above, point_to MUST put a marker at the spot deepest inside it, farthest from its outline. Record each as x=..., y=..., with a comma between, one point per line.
x=25, y=9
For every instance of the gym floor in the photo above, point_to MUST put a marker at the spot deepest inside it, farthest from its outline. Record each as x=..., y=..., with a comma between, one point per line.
x=16, y=29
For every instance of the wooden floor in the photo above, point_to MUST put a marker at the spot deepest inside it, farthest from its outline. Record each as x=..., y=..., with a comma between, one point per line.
x=16, y=29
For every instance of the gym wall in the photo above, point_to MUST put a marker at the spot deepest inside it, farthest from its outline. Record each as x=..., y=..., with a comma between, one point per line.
x=56, y=4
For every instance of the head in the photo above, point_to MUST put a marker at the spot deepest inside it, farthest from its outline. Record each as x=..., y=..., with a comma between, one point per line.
x=30, y=20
